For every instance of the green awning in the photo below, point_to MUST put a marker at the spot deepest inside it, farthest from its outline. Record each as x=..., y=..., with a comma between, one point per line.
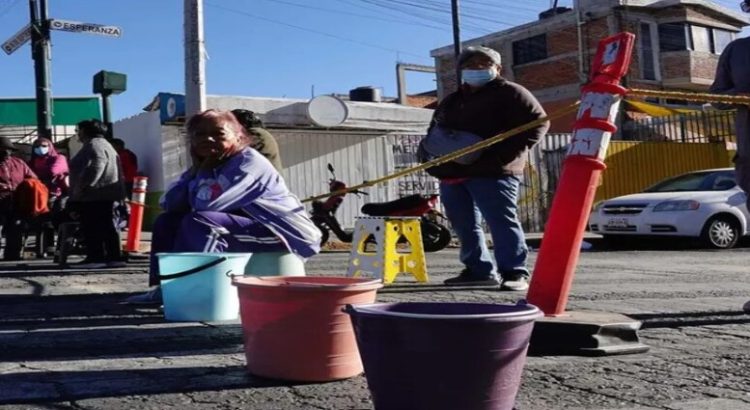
x=65, y=110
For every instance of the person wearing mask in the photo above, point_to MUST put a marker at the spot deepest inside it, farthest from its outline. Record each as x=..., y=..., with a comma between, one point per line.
x=733, y=78
x=260, y=139
x=95, y=185
x=485, y=105
x=52, y=169
x=232, y=199
x=129, y=162
x=12, y=172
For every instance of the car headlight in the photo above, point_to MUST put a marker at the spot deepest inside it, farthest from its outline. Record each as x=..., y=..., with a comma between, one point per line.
x=685, y=205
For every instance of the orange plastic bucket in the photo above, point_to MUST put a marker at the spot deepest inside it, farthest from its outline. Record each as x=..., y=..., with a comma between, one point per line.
x=294, y=327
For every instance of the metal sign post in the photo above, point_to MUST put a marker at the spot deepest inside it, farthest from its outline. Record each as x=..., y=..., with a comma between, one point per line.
x=38, y=32
x=14, y=43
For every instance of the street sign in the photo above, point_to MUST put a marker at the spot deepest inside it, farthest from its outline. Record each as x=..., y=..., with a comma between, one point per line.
x=88, y=28
x=19, y=39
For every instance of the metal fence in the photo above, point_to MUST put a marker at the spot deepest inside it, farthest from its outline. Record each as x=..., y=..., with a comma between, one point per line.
x=699, y=126
x=538, y=185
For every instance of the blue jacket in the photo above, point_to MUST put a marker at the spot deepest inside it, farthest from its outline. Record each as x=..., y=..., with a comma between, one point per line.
x=248, y=184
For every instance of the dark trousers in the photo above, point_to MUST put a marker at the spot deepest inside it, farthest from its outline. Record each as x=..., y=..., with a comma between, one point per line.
x=100, y=234
x=13, y=232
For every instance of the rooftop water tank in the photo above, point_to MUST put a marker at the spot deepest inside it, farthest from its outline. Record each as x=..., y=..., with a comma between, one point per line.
x=368, y=94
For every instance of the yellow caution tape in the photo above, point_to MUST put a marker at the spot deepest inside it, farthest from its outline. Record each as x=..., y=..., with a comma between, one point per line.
x=453, y=155
x=688, y=96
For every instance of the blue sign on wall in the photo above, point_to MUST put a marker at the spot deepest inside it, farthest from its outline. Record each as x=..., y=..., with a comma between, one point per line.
x=171, y=107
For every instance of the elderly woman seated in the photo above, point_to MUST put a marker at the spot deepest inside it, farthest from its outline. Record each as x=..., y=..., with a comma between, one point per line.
x=231, y=200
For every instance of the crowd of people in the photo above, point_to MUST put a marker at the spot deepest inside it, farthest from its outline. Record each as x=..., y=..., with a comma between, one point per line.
x=91, y=183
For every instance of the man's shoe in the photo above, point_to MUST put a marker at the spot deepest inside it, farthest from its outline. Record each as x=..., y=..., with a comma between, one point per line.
x=516, y=284
x=117, y=264
x=152, y=297
x=468, y=280
x=746, y=307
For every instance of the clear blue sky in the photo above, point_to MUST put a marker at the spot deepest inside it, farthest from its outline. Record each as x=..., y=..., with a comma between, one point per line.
x=270, y=48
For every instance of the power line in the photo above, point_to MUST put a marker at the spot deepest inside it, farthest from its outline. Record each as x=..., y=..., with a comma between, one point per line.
x=322, y=33
x=417, y=10
x=436, y=7
x=401, y=21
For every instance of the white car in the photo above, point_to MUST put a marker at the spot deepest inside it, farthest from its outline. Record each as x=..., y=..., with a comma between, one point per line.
x=704, y=204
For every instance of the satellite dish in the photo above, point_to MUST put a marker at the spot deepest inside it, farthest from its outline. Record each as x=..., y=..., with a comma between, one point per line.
x=327, y=111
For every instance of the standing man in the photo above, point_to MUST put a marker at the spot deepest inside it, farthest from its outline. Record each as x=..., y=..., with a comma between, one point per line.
x=96, y=184
x=733, y=78
x=12, y=171
x=486, y=104
x=260, y=139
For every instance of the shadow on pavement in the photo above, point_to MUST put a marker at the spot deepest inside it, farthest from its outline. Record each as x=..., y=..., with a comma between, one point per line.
x=129, y=341
x=677, y=320
x=417, y=288
x=59, y=386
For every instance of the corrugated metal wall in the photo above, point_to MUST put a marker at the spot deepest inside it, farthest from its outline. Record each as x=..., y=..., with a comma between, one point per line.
x=635, y=165
x=356, y=157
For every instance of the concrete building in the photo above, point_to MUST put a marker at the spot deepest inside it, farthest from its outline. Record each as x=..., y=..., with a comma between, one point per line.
x=677, y=47
x=369, y=140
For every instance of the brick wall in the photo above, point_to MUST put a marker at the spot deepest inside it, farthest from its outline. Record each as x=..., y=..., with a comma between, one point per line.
x=703, y=65
x=675, y=64
x=562, y=41
x=548, y=74
x=420, y=101
x=565, y=123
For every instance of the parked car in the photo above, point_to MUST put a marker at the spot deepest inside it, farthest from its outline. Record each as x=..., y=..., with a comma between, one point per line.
x=705, y=204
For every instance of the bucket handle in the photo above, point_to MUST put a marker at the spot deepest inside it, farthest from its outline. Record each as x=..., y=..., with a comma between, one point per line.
x=193, y=270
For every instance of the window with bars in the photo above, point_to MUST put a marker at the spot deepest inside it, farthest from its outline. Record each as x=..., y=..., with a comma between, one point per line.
x=683, y=36
x=530, y=49
x=648, y=65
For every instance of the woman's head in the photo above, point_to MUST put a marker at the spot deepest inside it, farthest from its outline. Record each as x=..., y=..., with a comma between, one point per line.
x=41, y=147
x=215, y=134
x=89, y=129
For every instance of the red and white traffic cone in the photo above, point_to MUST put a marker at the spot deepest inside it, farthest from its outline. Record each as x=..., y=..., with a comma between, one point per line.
x=137, y=208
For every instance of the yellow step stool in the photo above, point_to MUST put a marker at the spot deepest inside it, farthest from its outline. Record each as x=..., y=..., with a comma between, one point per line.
x=386, y=262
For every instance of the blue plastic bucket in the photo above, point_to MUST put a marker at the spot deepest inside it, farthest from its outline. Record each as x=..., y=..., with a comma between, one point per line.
x=275, y=264
x=197, y=287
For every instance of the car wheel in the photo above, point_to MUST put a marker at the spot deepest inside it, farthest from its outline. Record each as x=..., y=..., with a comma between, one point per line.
x=721, y=232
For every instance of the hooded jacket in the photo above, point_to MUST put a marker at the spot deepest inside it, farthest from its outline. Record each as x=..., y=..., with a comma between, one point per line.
x=52, y=169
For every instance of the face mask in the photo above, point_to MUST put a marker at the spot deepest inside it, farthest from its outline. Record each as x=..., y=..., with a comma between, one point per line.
x=478, y=78
x=41, y=150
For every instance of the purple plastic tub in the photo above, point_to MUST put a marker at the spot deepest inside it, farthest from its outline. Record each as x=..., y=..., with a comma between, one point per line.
x=448, y=356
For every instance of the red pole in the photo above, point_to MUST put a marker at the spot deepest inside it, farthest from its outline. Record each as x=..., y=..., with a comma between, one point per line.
x=584, y=163
x=137, y=207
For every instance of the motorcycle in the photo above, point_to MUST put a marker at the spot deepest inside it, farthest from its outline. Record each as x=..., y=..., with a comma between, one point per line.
x=435, y=235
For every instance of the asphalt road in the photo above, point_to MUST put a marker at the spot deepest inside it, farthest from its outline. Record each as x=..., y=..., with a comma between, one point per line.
x=65, y=342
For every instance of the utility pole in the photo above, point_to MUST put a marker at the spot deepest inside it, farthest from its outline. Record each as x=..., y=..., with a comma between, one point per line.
x=40, y=54
x=456, y=39
x=195, y=64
